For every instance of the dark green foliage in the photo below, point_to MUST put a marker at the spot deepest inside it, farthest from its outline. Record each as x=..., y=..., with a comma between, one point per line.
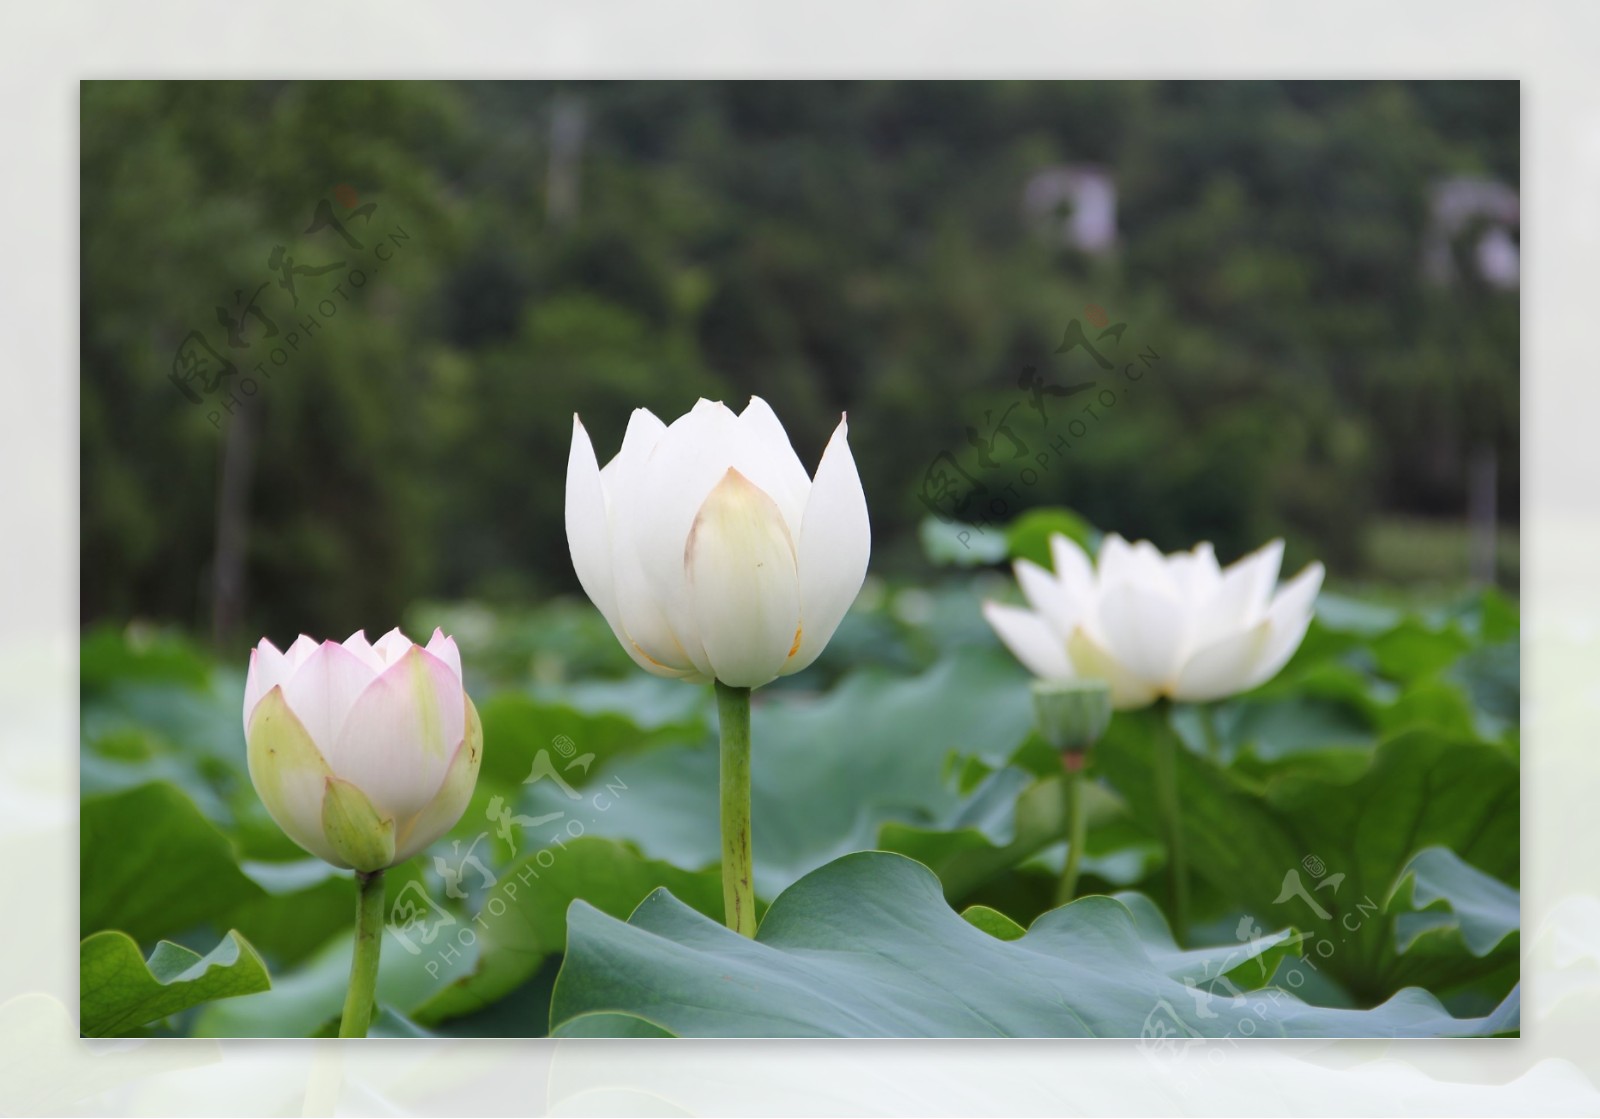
x=833, y=247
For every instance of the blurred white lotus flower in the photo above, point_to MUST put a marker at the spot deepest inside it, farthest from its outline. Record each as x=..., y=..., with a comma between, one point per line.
x=363, y=754
x=1156, y=626
x=709, y=550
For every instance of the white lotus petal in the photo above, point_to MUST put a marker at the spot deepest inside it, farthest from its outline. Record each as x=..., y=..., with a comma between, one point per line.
x=1287, y=619
x=1139, y=564
x=835, y=543
x=1148, y=567
x=1073, y=570
x=1030, y=640
x=653, y=493
x=1222, y=668
x=1240, y=598
x=1113, y=561
x=1195, y=574
x=1091, y=660
x=1144, y=629
x=588, y=534
x=764, y=454
x=643, y=433
x=656, y=514
x=1048, y=598
x=648, y=637
x=743, y=583
x=635, y=614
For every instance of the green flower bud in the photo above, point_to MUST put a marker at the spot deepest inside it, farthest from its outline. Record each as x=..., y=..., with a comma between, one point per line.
x=1071, y=715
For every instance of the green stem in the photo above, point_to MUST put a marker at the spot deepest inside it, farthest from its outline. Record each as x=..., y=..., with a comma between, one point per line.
x=1209, y=726
x=364, y=963
x=1166, y=776
x=1078, y=830
x=738, y=896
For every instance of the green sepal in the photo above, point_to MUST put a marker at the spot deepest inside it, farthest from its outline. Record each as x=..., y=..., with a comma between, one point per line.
x=362, y=838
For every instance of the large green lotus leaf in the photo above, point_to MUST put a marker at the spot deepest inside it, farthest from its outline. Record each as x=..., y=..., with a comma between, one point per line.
x=1322, y=849
x=954, y=544
x=1341, y=614
x=303, y=903
x=1244, y=965
x=1491, y=676
x=138, y=733
x=650, y=702
x=993, y=922
x=153, y=866
x=528, y=924
x=1366, y=672
x=1412, y=650
x=184, y=731
x=108, y=656
x=867, y=947
x=1332, y=707
x=1286, y=726
x=1007, y=819
x=1028, y=537
x=517, y=726
x=201, y=722
x=1453, y=900
x=604, y=1024
x=1490, y=616
x=121, y=991
x=306, y=998
x=129, y=757
x=1323, y=713
x=825, y=772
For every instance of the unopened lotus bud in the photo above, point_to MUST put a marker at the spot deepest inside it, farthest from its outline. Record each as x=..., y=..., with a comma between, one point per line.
x=1071, y=715
x=363, y=754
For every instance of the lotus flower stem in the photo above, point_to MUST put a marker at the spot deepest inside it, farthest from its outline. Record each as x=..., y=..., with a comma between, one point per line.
x=364, y=963
x=1208, y=725
x=738, y=896
x=1166, y=779
x=1078, y=831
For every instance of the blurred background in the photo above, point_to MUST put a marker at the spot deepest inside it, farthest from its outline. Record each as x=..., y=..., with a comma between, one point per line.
x=333, y=334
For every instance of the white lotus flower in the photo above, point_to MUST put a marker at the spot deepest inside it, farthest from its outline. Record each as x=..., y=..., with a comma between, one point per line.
x=1156, y=626
x=363, y=754
x=709, y=550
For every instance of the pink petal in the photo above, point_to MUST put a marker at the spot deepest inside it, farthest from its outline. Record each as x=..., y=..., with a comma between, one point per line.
x=324, y=688
x=401, y=733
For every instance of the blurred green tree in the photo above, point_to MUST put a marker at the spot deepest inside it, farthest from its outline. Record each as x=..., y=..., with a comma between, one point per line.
x=592, y=247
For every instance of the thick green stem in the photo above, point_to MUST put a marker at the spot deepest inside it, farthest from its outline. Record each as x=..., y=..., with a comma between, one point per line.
x=1166, y=777
x=364, y=963
x=738, y=895
x=1077, y=830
